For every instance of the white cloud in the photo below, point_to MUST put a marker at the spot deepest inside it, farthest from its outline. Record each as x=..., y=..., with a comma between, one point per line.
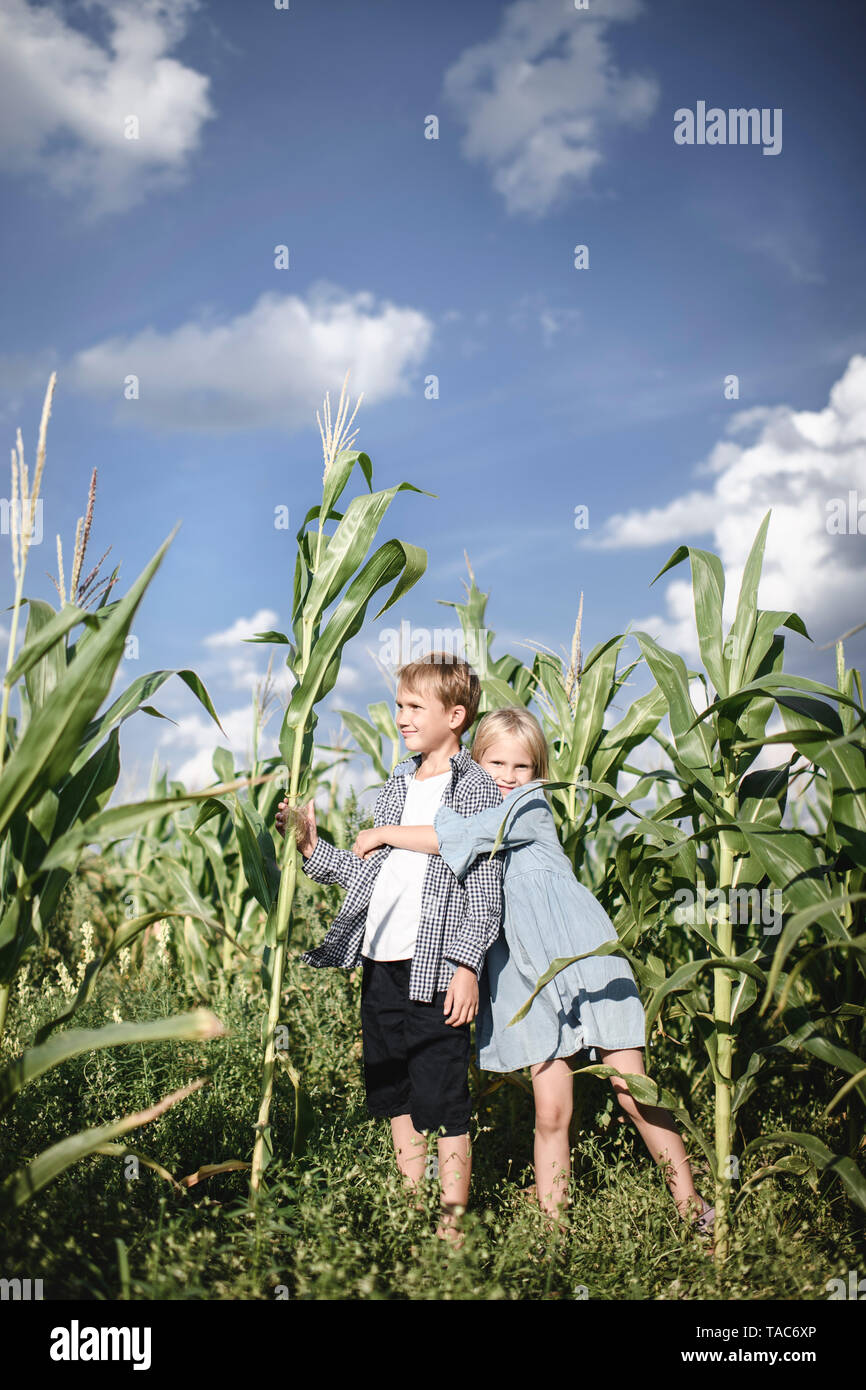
x=65, y=99
x=533, y=310
x=349, y=678
x=268, y=367
x=197, y=736
x=796, y=465
x=242, y=628
x=238, y=661
x=539, y=97
x=236, y=665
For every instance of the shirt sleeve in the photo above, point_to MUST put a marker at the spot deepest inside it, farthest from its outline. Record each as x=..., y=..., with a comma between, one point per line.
x=328, y=864
x=463, y=838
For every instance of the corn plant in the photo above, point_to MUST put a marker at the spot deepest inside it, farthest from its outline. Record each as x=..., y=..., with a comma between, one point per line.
x=59, y=763
x=738, y=845
x=331, y=573
x=573, y=698
x=505, y=681
x=373, y=735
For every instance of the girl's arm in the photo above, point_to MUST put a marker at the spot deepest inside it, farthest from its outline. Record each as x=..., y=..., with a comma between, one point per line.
x=522, y=815
x=461, y=839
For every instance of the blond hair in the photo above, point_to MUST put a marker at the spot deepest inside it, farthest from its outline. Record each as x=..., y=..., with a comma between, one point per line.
x=448, y=677
x=516, y=721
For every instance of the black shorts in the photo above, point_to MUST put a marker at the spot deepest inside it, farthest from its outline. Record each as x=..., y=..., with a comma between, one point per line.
x=414, y=1062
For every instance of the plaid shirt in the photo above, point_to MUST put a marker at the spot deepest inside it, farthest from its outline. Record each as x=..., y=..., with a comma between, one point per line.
x=459, y=919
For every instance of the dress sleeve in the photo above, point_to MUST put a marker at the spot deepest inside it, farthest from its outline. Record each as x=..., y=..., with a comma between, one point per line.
x=463, y=838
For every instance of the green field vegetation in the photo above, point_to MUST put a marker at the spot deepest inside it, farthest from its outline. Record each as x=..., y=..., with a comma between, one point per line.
x=335, y=1223
x=181, y=1111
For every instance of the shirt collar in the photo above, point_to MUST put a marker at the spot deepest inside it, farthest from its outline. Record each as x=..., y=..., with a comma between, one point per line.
x=459, y=763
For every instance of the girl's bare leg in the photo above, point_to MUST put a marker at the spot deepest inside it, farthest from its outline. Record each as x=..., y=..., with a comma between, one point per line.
x=553, y=1087
x=657, y=1128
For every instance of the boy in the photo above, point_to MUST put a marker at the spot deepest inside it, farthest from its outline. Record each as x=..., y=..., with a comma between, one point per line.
x=420, y=934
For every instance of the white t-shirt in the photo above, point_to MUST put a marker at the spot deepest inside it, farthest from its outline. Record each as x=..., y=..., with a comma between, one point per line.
x=394, y=913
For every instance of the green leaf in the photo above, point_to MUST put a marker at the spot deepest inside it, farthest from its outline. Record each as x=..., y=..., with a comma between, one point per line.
x=257, y=852
x=685, y=976
x=395, y=560
x=835, y=1165
x=21, y=1186
x=607, y=948
x=119, y=822
x=132, y=700
x=338, y=476
x=199, y=1024
x=44, y=644
x=708, y=590
x=691, y=738
x=743, y=627
x=47, y=750
x=347, y=548
x=368, y=739
x=643, y=1088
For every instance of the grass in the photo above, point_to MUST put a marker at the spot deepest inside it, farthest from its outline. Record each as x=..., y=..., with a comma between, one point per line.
x=336, y=1224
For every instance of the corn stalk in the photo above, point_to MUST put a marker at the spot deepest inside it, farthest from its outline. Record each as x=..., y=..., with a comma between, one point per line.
x=331, y=573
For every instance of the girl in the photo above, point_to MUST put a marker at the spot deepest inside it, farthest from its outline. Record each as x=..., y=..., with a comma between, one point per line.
x=548, y=913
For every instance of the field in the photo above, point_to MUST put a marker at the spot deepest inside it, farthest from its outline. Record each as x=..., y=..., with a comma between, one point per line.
x=181, y=1104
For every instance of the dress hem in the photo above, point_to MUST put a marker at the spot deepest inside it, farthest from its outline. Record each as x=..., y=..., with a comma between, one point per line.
x=584, y=1047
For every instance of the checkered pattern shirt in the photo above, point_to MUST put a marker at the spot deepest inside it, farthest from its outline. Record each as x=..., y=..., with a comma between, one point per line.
x=459, y=918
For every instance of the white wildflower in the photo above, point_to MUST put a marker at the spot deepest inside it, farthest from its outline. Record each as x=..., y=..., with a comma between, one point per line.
x=67, y=984
x=163, y=936
x=87, y=943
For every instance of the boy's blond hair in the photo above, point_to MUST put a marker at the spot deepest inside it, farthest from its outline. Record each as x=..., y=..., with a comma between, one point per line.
x=516, y=721
x=449, y=678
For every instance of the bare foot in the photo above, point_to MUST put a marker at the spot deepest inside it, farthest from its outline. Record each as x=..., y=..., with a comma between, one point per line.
x=554, y=1217
x=449, y=1226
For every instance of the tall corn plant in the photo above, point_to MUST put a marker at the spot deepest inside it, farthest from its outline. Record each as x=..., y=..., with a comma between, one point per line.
x=504, y=681
x=573, y=698
x=373, y=736
x=333, y=585
x=821, y=874
x=735, y=814
x=736, y=845
x=59, y=763
x=184, y=860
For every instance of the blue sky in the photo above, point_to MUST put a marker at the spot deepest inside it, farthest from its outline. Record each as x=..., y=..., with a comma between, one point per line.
x=409, y=257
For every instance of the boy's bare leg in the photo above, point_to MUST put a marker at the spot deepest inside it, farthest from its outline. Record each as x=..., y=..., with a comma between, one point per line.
x=455, y=1171
x=657, y=1127
x=410, y=1149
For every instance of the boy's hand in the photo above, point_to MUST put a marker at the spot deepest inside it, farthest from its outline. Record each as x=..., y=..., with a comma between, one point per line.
x=306, y=834
x=368, y=841
x=307, y=843
x=461, y=999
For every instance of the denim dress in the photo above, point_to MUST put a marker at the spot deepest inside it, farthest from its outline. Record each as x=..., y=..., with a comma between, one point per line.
x=548, y=913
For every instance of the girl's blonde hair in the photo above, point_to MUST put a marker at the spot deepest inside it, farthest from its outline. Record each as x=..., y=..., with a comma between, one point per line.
x=516, y=721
